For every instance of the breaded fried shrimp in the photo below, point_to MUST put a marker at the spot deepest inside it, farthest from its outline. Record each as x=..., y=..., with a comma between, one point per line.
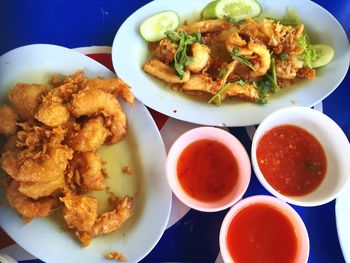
x=8, y=120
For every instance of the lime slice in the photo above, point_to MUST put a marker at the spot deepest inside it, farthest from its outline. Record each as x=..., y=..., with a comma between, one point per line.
x=237, y=9
x=154, y=27
x=325, y=54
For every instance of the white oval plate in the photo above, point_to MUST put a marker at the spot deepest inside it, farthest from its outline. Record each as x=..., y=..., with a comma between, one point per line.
x=129, y=53
x=342, y=214
x=44, y=238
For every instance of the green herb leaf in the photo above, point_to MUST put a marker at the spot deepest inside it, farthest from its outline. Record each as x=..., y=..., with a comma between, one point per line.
x=283, y=56
x=309, y=53
x=181, y=59
x=217, y=96
x=222, y=72
x=241, y=58
x=242, y=83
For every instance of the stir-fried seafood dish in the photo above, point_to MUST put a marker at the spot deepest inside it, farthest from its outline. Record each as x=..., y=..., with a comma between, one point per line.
x=250, y=59
x=50, y=159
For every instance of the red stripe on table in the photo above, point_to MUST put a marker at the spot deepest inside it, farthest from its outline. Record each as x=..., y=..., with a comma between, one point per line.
x=5, y=240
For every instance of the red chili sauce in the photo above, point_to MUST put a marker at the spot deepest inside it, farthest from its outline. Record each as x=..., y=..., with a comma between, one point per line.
x=207, y=170
x=291, y=159
x=260, y=233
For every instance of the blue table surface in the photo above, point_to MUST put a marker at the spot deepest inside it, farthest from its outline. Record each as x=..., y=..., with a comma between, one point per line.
x=86, y=23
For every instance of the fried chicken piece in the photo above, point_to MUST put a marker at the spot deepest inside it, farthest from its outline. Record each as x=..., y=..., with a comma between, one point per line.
x=26, y=98
x=87, y=171
x=89, y=136
x=8, y=120
x=28, y=207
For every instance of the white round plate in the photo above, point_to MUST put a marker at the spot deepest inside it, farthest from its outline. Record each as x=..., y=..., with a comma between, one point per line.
x=47, y=238
x=342, y=214
x=129, y=53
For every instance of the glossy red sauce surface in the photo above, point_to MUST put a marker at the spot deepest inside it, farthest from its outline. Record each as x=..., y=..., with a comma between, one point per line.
x=207, y=170
x=291, y=159
x=261, y=234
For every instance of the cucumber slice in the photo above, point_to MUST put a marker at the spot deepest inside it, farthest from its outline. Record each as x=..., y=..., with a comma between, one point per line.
x=153, y=28
x=325, y=54
x=237, y=9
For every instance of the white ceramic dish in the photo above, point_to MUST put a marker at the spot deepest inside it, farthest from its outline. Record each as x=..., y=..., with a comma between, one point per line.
x=342, y=213
x=44, y=238
x=237, y=150
x=129, y=53
x=333, y=141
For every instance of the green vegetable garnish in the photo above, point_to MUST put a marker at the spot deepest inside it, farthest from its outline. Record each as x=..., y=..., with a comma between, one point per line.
x=241, y=83
x=217, y=96
x=231, y=19
x=309, y=54
x=222, y=72
x=268, y=84
x=241, y=58
x=181, y=59
x=283, y=56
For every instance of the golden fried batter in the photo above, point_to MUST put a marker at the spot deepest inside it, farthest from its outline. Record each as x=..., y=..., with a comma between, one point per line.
x=50, y=157
x=8, y=120
x=26, y=98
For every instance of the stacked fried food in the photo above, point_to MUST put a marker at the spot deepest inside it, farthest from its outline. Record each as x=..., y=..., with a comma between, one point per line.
x=50, y=160
x=250, y=59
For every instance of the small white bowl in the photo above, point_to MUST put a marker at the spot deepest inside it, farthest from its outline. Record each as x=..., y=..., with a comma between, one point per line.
x=238, y=151
x=335, y=145
x=303, y=243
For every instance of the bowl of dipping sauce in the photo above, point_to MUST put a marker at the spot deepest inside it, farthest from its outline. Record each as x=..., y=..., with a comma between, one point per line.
x=300, y=155
x=208, y=169
x=263, y=229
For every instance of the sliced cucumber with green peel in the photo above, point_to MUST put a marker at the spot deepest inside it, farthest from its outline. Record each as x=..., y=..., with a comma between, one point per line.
x=154, y=28
x=325, y=54
x=237, y=9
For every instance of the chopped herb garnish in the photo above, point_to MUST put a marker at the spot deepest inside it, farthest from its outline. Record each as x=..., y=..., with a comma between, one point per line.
x=242, y=83
x=241, y=58
x=222, y=72
x=181, y=59
x=283, y=56
x=217, y=97
x=309, y=53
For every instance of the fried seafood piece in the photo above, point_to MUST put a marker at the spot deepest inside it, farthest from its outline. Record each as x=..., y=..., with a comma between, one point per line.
x=80, y=213
x=8, y=120
x=52, y=111
x=201, y=58
x=288, y=68
x=96, y=102
x=257, y=53
x=88, y=136
x=164, y=72
x=87, y=171
x=206, y=26
x=26, y=206
x=47, y=167
x=115, y=86
x=36, y=190
x=26, y=98
x=281, y=38
x=247, y=91
x=164, y=50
